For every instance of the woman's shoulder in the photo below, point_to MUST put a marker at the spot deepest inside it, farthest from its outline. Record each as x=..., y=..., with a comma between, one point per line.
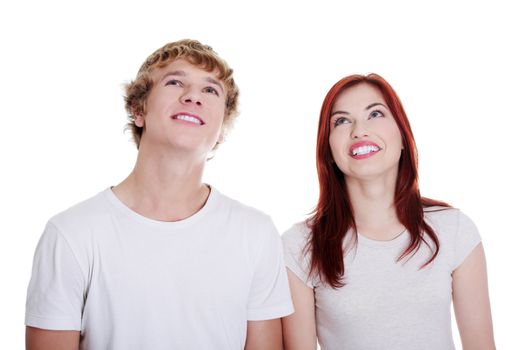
x=297, y=256
x=295, y=239
x=298, y=234
x=444, y=220
x=447, y=221
x=447, y=216
x=441, y=214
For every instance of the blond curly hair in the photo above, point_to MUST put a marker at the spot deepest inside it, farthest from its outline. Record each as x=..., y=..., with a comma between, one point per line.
x=200, y=55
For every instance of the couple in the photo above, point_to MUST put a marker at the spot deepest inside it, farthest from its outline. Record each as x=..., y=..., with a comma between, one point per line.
x=164, y=261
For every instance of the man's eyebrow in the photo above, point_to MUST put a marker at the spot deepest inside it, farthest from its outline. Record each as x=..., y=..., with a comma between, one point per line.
x=375, y=104
x=181, y=73
x=214, y=82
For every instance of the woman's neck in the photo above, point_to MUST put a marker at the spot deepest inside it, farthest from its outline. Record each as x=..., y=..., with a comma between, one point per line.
x=373, y=208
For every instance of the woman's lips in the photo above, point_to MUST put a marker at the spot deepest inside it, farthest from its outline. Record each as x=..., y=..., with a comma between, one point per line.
x=363, y=149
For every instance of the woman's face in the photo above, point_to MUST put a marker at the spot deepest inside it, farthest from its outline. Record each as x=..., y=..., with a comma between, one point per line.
x=364, y=137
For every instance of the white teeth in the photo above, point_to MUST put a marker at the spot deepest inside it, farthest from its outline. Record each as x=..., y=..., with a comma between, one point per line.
x=188, y=118
x=364, y=150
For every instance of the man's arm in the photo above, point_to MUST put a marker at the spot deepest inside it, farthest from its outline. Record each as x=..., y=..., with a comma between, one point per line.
x=43, y=339
x=264, y=335
x=471, y=302
x=299, y=328
x=55, y=295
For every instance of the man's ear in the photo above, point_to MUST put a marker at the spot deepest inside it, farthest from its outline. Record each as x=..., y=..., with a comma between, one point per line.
x=139, y=115
x=139, y=121
x=221, y=137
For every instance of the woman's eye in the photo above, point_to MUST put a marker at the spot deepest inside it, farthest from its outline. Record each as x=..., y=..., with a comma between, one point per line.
x=211, y=90
x=341, y=120
x=376, y=114
x=174, y=82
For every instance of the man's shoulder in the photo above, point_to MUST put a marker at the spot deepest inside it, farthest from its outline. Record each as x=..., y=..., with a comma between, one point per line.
x=82, y=213
x=240, y=210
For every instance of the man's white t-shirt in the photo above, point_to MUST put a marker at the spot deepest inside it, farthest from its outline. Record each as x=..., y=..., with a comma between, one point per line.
x=129, y=282
x=386, y=304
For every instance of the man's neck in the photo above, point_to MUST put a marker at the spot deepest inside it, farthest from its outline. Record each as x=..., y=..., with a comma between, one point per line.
x=164, y=187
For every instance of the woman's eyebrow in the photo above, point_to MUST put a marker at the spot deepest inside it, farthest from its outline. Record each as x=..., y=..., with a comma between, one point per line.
x=374, y=104
x=339, y=112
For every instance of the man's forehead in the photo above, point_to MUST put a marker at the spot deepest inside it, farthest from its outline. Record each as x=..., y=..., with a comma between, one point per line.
x=183, y=68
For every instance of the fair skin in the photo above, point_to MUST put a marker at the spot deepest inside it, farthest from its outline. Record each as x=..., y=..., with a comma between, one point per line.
x=299, y=328
x=366, y=145
x=470, y=296
x=183, y=122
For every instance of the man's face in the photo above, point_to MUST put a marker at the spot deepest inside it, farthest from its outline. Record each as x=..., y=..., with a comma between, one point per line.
x=185, y=109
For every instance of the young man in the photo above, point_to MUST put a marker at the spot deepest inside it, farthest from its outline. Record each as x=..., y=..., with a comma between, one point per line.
x=163, y=261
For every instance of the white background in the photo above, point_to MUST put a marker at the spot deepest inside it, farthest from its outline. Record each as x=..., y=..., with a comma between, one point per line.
x=457, y=66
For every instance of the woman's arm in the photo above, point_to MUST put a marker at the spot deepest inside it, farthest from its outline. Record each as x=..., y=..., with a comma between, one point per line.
x=471, y=302
x=299, y=328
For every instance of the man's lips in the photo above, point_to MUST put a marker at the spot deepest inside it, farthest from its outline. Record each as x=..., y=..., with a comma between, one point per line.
x=188, y=117
x=363, y=149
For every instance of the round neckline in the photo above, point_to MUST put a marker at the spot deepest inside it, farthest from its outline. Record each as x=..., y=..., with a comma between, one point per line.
x=401, y=238
x=210, y=203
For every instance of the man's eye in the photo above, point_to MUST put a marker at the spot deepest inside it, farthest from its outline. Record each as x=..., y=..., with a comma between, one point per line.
x=174, y=82
x=211, y=90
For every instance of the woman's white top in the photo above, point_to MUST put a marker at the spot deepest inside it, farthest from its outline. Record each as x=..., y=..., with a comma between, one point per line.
x=386, y=304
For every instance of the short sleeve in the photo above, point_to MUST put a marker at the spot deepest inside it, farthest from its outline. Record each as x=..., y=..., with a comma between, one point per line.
x=467, y=238
x=55, y=294
x=295, y=257
x=269, y=293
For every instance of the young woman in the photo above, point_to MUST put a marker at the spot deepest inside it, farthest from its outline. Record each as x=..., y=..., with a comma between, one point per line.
x=376, y=266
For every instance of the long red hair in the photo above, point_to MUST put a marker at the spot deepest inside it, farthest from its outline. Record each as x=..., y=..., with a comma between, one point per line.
x=333, y=217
